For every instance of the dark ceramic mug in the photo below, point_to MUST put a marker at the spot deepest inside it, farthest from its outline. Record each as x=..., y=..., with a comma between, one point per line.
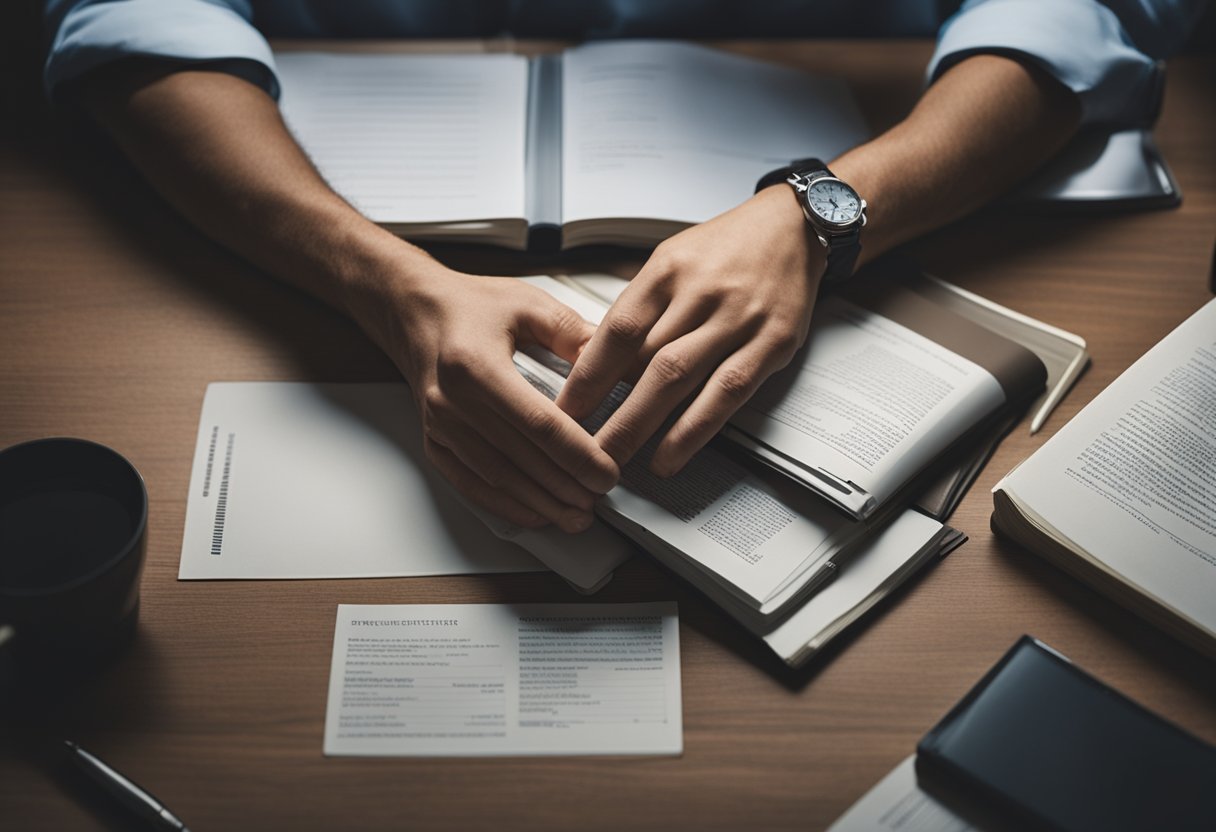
x=73, y=534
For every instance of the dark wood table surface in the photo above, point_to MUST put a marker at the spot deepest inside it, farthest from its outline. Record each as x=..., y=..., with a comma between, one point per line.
x=114, y=316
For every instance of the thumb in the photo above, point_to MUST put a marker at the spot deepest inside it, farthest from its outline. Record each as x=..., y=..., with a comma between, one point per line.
x=558, y=328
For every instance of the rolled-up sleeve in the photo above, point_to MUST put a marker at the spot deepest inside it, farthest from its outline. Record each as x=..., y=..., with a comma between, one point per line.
x=88, y=34
x=1105, y=52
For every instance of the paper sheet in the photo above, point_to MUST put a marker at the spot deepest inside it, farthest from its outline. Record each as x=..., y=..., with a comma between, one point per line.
x=863, y=579
x=505, y=680
x=330, y=481
x=897, y=804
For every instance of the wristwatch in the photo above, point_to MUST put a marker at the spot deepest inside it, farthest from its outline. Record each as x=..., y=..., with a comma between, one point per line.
x=834, y=210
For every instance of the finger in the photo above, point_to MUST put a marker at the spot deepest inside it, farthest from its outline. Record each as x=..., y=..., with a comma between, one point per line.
x=678, y=320
x=675, y=372
x=475, y=489
x=728, y=388
x=537, y=464
x=556, y=327
x=553, y=432
x=502, y=475
x=610, y=353
x=474, y=388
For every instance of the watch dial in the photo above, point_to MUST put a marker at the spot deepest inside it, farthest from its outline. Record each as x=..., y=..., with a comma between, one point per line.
x=834, y=201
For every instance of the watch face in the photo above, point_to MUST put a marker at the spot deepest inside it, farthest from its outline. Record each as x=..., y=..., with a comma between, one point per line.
x=833, y=201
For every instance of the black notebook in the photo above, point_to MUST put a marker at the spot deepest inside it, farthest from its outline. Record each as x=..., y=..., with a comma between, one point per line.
x=1040, y=744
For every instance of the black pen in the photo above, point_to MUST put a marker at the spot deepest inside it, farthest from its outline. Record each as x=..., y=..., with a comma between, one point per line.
x=127, y=793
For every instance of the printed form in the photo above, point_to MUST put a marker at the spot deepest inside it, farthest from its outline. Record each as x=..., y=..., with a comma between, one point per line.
x=457, y=680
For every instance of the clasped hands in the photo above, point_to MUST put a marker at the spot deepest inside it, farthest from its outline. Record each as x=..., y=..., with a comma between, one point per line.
x=714, y=312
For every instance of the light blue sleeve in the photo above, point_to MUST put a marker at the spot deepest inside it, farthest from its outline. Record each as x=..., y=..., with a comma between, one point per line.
x=87, y=34
x=1105, y=52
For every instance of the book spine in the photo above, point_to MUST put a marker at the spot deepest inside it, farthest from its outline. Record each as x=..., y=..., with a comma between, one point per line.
x=543, y=154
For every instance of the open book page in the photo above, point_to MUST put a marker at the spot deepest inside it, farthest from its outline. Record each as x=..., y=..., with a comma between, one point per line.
x=414, y=139
x=1130, y=483
x=871, y=573
x=1064, y=354
x=867, y=402
x=760, y=539
x=679, y=133
x=755, y=538
x=330, y=481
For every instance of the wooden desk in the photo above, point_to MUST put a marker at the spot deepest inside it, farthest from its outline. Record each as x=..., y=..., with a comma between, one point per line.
x=114, y=315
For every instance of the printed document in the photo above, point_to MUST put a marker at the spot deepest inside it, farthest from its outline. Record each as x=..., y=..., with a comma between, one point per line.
x=897, y=804
x=470, y=680
x=330, y=481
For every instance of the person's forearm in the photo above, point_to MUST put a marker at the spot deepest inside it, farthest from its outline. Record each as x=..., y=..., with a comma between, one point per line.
x=982, y=127
x=723, y=305
x=217, y=149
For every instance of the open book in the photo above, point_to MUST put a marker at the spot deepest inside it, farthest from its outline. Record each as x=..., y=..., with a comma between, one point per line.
x=889, y=381
x=1063, y=354
x=1124, y=496
x=763, y=548
x=755, y=542
x=611, y=142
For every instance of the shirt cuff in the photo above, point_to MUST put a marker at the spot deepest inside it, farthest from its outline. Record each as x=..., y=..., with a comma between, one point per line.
x=1079, y=42
x=185, y=31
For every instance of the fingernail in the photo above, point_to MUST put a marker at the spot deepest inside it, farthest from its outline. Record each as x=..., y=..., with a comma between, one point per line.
x=602, y=485
x=576, y=521
x=534, y=521
x=599, y=480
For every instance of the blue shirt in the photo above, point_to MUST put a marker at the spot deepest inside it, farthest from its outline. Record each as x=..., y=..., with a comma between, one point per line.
x=1105, y=52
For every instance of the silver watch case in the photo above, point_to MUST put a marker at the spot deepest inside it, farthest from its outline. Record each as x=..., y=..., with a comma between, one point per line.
x=801, y=183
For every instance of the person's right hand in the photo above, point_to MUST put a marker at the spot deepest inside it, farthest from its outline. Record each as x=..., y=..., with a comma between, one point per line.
x=500, y=442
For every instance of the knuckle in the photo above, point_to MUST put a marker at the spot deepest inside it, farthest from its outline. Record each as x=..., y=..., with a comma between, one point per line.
x=756, y=311
x=564, y=319
x=785, y=342
x=671, y=365
x=625, y=326
x=433, y=400
x=434, y=403
x=735, y=383
x=669, y=256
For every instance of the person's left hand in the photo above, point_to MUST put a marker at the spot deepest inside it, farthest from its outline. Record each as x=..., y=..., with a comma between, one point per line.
x=715, y=311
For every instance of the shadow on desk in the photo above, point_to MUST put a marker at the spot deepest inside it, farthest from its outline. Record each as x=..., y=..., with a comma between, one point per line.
x=315, y=341
x=39, y=715
x=1151, y=644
